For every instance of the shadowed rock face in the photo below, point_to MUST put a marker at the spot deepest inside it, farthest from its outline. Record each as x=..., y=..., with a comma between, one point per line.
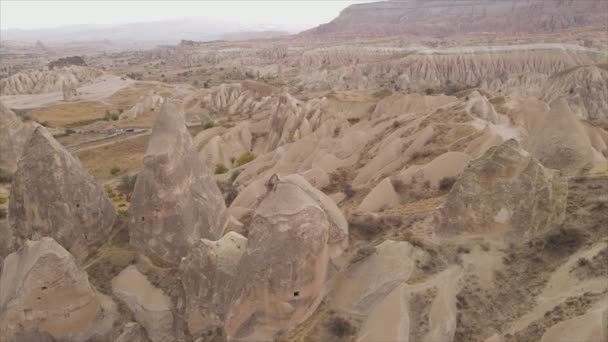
x=150, y=305
x=42, y=289
x=52, y=195
x=280, y=280
x=176, y=201
x=13, y=136
x=208, y=272
x=505, y=188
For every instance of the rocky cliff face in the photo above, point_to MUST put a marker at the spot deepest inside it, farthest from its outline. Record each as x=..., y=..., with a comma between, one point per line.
x=435, y=67
x=445, y=17
x=52, y=195
x=176, y=201
x=42, y=288
x=505, y=189
x=37, y=82
x=585, y=89
x=13, y=136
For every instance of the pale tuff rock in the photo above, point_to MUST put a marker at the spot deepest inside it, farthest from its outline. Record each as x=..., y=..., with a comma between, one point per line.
x=13, y=137
x=150, y=306
x=280, y=280
x=236, y=98
x=293, y=120
x=43, y=289
x=423, y=69
x=132, y=332
x=393, y=317
x=478, y=106
x=383, y=196
x=560, y=139
x=70, y=93
x=52, y=195
x=449, y=164
x=208, y=274
x=144, y=104
x=368, y=281
x=585, y=89
x=225, y=149
x=37, y=82
x=176, y=201
x=505, y=189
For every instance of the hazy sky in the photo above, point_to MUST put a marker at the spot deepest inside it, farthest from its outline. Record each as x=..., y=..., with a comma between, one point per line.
x=291, y=15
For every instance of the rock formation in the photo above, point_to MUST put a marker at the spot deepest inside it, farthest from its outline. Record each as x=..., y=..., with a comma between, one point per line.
x=585, y=89
x=70, y=93
x=208, y=275
x=13, y=137
x=280, y=280
x=383, y=196
x=441, y=18
x=433, y=68
x=238, y=99
x=144, y=104
x=37, y=82
x=505, y=189
x=52, y=195
x=132, y=332
x=225, y=149
x=176, y=201
x=292, y=120
x=43, y=289
x=150, y=306
x=559, y=138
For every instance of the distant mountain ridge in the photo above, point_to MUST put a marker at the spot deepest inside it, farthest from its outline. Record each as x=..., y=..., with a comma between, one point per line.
x=451, y=17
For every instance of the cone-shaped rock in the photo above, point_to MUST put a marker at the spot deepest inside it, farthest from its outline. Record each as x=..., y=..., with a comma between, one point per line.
x=42, y=289
x=13, y=136
x=506, y=188
x=176, y=201
x=52, y=195
x=281, y=278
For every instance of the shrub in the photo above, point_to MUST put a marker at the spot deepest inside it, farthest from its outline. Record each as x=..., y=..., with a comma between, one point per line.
x=220, y=169
x=3, y=213
x=123, y=212
x=114, y=170
x=127, y=183
x=245, y=158
x=429, y=91
x=69, y=131
x=5, y=176
x=446, y=183
x=209, y=124
x=340, y=327
x=3, y=200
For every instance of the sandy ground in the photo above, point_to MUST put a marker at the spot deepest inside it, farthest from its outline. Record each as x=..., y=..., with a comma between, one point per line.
x=103, y=87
